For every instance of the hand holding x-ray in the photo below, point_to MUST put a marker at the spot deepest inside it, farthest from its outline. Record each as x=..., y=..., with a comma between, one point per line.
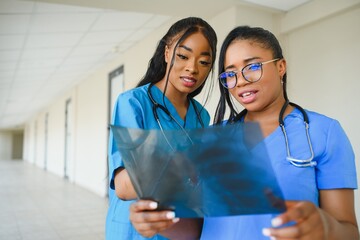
x=215, y=171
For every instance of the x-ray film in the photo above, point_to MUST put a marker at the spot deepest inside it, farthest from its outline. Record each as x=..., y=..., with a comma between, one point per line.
x=214, y=171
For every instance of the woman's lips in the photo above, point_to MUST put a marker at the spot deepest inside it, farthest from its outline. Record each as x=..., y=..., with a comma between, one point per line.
x=188, y=81
x=247, y=96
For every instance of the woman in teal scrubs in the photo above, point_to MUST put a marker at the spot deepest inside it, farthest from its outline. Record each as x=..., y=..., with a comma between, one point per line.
x=177, y=72
x=321, y=186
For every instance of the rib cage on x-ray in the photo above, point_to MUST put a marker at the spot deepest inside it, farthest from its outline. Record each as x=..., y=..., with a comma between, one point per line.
x=221, y=171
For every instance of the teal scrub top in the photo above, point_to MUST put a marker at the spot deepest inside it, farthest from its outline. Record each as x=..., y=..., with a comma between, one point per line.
x=335, y=169
x=134, y=109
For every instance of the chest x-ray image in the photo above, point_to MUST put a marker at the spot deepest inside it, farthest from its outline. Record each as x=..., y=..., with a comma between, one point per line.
x=214, y=171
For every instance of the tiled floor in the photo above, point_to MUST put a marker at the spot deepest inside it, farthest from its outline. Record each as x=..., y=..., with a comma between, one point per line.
x=38, y=205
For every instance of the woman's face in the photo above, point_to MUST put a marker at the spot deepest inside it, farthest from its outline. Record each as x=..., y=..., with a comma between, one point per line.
x=264, y=93
x=192, y=63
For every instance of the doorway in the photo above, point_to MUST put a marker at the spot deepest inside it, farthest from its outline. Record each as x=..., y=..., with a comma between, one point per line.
x=116, y=86
x=68, y=157
x=46, y=140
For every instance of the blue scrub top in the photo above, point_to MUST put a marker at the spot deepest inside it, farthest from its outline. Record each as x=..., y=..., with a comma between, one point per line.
x=335, y=169
x=134, y=109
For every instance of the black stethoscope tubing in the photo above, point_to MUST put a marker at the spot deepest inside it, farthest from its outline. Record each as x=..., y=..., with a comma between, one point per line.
x=156, y=105
x=296, y=162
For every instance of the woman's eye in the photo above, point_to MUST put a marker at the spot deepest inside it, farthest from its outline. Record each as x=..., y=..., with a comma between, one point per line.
x=181, y=56
x=231, y=74
x=254, y=67
x=205, y=63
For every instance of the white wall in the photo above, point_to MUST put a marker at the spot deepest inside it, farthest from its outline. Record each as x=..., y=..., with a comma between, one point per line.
x=91, y=133
x=40, y=141
x=323, y=72
x=29, y=143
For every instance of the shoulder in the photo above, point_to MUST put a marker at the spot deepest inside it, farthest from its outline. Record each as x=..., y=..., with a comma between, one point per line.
x=321, y=120
x=131, y=107
x=318, y=116
x=330, y=129
x=315, y=118
x=139, y=93
x=134, y=98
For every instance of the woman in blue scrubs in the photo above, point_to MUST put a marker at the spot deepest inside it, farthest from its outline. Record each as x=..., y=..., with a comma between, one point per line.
x=176, y=73
x=317, y=175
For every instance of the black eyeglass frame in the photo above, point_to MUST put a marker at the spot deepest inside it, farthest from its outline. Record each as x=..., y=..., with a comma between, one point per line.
x=260, y=64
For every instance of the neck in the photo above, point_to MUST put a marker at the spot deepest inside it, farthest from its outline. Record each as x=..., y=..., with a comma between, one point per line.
x=178, y=99
x=268, y=118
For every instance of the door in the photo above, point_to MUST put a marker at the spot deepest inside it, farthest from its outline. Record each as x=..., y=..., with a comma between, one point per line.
x=116, y=86
x=46, y=140
x=68, y=159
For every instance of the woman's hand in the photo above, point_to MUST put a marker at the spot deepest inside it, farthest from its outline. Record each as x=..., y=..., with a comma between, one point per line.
x=335, y=219
x=149, y=222
x=308, y=223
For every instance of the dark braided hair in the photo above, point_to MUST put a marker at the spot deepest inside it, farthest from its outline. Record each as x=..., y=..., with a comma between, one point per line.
x=187, y=26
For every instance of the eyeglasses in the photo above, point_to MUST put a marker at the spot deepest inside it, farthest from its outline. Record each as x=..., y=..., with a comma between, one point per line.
x=251, y=73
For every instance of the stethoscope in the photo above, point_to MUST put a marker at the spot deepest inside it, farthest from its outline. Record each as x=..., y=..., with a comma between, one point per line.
x=156, y=106
x=294, y=161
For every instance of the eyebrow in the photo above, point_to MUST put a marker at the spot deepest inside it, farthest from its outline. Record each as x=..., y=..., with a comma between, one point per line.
x=246, y=61
x=190, y=50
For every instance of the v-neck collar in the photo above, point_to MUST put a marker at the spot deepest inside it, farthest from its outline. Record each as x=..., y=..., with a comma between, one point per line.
x=162, y=99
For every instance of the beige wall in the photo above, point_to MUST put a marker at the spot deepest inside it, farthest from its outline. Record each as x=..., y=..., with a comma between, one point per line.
x=323, y=64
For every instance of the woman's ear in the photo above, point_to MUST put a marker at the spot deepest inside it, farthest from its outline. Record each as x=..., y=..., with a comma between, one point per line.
x=282, y=67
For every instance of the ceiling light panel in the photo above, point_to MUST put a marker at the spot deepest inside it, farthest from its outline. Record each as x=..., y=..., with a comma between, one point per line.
x=9, y=55
x=120, y=20
x=105, y=37
x=11, y=42
x=58, y=8
x=44, y=53
x=64, y=23
x=14, y=24
x=53, y=40
x=279, y=4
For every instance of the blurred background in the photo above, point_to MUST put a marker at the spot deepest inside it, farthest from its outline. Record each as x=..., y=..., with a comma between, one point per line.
x=63, y=63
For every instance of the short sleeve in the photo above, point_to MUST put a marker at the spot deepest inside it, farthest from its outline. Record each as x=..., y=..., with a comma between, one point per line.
x=336, y=168
x=127, y=113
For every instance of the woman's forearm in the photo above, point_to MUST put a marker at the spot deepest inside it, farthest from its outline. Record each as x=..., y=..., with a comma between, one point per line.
x=339, y=229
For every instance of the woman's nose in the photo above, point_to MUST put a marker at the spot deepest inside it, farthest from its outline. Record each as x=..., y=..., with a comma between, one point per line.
x=241, y=81
x=192, y=67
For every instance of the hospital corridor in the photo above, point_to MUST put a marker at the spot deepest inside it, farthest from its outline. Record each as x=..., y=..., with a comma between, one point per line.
x=37, y=205
x=63, y=64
